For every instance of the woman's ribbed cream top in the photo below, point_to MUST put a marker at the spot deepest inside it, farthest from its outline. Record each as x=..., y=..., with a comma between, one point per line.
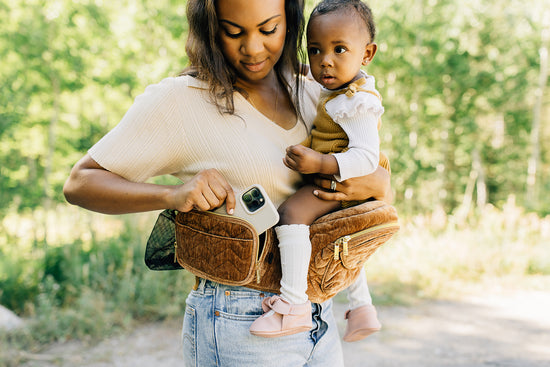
x=173, y=128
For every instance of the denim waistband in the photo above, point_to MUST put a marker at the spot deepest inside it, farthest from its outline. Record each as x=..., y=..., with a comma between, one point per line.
x=202, y=285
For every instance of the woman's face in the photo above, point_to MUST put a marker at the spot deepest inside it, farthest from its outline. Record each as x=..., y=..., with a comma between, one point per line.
x=252, y=35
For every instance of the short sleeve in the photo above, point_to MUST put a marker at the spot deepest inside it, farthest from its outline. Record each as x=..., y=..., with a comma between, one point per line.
x=142, y=144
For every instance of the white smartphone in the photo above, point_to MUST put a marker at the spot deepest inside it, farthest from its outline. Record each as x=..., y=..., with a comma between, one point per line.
x=253, y=205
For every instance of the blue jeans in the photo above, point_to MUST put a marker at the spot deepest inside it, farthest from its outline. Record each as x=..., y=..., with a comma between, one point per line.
x=215, y=332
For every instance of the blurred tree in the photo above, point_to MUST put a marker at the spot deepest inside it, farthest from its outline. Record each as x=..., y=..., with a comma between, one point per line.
x=69, y=71
x=459, y=81
x=46, y=48
x=534, y=160
x=458, y=78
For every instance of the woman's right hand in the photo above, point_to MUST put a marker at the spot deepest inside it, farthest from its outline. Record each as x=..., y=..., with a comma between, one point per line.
x=207, y=190
x=93, y=187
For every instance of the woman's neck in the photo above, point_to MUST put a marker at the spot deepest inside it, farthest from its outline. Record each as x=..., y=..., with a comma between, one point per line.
x=270, y=82
x=270, y=98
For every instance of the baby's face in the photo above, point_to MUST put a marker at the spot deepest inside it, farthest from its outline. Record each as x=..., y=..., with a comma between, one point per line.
x=338, y=43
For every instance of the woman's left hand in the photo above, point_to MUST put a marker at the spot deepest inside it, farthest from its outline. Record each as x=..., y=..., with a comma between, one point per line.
x=376, y=185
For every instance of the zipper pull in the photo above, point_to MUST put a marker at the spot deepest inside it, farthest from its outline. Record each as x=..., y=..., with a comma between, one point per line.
x=336, y=251
x=175, y=252
x=345, y=245
x=257, y=275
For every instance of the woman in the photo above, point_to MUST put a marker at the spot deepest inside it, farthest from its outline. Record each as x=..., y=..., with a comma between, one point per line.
x=224, y=124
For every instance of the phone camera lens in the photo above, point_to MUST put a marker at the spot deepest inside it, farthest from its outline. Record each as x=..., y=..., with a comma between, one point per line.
x=253, y=199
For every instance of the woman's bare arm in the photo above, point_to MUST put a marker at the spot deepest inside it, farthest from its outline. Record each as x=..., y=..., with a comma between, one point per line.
x=93, y=187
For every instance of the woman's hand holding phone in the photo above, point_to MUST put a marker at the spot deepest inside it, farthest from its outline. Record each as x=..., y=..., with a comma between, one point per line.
x=207, y=190
x=254, y=206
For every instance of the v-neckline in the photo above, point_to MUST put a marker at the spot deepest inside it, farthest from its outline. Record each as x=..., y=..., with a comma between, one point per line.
x=251, y=106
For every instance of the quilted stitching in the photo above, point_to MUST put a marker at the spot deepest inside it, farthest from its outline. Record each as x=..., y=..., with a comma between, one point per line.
x=222, y=251
x=226, y=250
x=327, y=276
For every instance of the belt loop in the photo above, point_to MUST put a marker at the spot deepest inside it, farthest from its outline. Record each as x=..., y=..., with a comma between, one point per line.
x=197, y=282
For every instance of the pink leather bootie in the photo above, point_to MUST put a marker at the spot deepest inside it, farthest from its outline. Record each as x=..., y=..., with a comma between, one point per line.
x=281, y=318
x=362, y=321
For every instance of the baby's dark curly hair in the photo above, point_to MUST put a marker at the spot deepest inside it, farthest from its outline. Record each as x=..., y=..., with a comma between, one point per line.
x=329, y=6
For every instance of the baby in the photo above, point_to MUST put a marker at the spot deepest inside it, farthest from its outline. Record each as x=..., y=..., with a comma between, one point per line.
x=344, y=143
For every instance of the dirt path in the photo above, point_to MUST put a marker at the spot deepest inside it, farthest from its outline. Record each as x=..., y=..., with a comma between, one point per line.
x=508, y=330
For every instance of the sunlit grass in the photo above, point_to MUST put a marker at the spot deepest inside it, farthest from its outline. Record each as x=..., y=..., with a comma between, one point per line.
x=88, y=282
x=436, y=257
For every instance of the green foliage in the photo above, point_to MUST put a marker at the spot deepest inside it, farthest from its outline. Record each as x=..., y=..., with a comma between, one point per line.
x=69, y=71
x=82, y=291
x=18, y=281
x=458, y=77
x=455, y=80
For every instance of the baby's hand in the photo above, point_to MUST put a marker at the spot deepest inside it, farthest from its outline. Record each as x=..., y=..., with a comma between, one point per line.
x=302, y=159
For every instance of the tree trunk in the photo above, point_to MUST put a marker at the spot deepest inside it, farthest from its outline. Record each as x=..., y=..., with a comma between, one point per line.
x=48, y=166
x=531, y=190
x=481, y=184
x=464, y=208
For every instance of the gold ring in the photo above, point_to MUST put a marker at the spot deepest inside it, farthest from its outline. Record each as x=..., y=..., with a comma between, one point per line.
x=333, y=185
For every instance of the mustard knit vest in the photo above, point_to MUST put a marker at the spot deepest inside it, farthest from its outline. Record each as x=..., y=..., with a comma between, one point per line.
x=327, y=136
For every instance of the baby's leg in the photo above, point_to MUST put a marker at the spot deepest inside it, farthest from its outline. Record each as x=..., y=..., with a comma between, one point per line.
x=304, y=208
x=362, y=317
x=358, y=292
x=297, y=213
x=291, y=312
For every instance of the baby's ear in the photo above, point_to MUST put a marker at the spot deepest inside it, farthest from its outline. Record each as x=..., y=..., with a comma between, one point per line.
x=370, y=51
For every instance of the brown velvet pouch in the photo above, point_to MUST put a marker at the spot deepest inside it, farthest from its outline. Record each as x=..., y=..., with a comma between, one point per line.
x=218, y=247
x=228, y=250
